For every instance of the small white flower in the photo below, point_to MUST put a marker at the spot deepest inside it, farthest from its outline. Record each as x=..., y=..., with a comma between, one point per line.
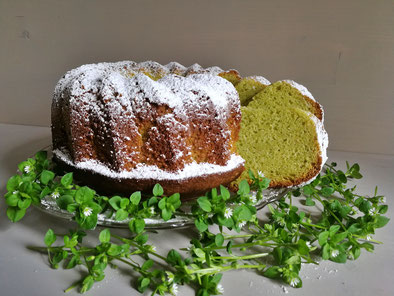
x=308, y=244
x=38, y=182
x=241, y=224
x=174, y=289
x=368, y=238
x=170, y=276
x=372, y=211
x=294, y=282
x=253, y=199
x=334, y=253
x=220, y=288
x=87, y=211
x=152, y=210
x=383, y=199
x=55, y=194
x=15, y=192
x=27, y=169
x=350, y=256
x=228, y=212
x=260, y=174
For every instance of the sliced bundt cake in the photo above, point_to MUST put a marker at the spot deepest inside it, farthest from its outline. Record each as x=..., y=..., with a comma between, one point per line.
x=280, y=136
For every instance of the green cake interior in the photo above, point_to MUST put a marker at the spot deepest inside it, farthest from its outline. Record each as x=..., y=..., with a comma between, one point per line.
x=247, y=88
x=285, y=95
x=279, y=141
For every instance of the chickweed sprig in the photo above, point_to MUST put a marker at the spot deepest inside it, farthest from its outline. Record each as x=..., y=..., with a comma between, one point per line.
x=276, y=248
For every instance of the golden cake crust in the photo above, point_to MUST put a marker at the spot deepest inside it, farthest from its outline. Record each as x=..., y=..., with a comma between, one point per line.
x=116, y=116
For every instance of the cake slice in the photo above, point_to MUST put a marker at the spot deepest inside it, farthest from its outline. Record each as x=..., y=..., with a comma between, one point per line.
x=289, y=94
x=231, y=75
x=282, y=135
x=248, y=87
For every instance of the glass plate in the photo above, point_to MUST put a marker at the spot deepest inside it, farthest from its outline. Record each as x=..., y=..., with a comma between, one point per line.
x=49, y=206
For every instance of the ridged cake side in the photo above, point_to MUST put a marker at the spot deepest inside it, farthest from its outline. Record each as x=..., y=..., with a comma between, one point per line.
x=115, y=115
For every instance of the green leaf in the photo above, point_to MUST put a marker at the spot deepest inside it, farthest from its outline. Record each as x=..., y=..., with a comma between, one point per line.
x=243, y=213
x=49, y=238
x=334, y=229
x=216, y=278
x=121, y=215
x=307, y=190
x=243, y=187
x=204, y=203
x=73, y=262
x=67, y=179
x=152, y=201
x=199, y=252
x=143, y=283
x=64, y=200
x=162, y=203
x=229, y=246
x=87, y=284
x=327, y=191
x=147, y=264
x=340, y=258
x=323, y=237
x=105, y=236
x=141, y=238
x=135, y=198
x=383, y=209
x=15, y=214
x=219, y=239
x=24, y=204
x=224, y=192
x=137, y=225
x=46, y=177
x=115, y=202
x=174, y=200
x=166, y=214
x=158, y=190
x=12, y=200
x=381, y=221
x=84, y=195
x=201, y=225
x=89, y=222
x=13, y=183
x=114, y=250
x=337, y=238
x=173, y=257
x=309, y=201
x=41, y=156
x=272, y=272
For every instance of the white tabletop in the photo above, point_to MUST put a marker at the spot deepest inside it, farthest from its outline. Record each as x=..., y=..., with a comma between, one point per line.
x=23, y=272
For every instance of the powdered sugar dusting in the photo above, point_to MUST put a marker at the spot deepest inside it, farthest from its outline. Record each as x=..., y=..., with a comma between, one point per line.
x=177, y=92
x=260, y=79
x=143, y=171
x=322, y=139
x=302, y=89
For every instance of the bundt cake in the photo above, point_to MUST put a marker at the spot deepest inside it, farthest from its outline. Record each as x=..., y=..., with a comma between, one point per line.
x=126, y=126
x=282, y=135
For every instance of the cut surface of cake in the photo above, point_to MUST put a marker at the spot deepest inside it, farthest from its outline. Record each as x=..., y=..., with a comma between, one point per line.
x=248, y=87
x=290, y=94
x=123, y=127
x=281, y=137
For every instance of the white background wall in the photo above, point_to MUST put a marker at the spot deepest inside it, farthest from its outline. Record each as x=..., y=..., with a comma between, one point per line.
x=343, y=51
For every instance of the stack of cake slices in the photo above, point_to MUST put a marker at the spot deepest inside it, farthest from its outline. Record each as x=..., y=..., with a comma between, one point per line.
x=282, y=135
